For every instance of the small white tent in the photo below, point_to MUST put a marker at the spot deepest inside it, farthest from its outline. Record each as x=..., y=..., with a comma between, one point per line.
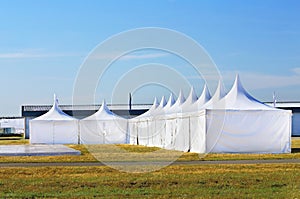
x=54, y=127
x=103, y=127
x=238, y=123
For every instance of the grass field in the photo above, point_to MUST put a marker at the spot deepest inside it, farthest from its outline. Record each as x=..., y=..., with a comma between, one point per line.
x=180, y=181
x=194, y=181
x=140, y=153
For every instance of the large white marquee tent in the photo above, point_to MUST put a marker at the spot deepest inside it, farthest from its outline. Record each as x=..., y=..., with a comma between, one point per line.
x=239, y=123
x=232, y=123
x=103, y=127
x=54, y=127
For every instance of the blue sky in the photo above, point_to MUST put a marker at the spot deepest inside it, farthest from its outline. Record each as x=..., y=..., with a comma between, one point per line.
x=44, y=43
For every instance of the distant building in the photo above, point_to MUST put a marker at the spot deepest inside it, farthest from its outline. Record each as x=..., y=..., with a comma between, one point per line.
x=12, y=125
x=295, y=108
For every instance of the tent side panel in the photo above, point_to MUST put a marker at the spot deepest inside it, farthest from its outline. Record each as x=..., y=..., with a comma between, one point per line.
x=41, y=132
x=198, y=133
x=249, y=131
x=115, y=131
x=65, y=132
x=181, y=138
x=90, y=132
x=132, y=126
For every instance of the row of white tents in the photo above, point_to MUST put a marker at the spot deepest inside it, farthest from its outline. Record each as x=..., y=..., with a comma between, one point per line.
x=56, y=127
x=234, y=122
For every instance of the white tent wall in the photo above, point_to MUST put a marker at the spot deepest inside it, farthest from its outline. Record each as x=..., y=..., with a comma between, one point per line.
x=171, y=131
x=183, y=134
x=65, y=132
x=41, y=132
x=248, y=131
x=91, y=133
x=103, y=131
x=143, y=132
x=197, y=123
x=133, y=132
x=53, y=132
x=103, y=127
x=158, y=136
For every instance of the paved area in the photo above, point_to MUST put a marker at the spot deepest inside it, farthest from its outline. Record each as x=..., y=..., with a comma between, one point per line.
x=36, y=150
x=66, y=164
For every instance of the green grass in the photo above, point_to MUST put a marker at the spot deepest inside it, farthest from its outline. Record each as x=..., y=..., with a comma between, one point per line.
x=181, y=181
x=140, y=153
x=193, y=181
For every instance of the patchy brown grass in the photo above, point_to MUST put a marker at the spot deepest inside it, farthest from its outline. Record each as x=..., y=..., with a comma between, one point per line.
x=125, y=152
x=193, y=181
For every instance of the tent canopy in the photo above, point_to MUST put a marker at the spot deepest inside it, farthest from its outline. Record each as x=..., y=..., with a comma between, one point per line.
x=103, y=114
x=239, y=99
x=55, y=113
x=176, y=108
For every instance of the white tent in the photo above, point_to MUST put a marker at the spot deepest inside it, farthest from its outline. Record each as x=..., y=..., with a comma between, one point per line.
x=103, y=127
x=238, y=123
x=196, y=123
x=54, y=127
x=141, y=127
x=172, y=122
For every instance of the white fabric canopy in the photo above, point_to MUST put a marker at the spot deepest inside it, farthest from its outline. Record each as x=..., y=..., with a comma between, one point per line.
x=239, y=123
x=54, y=127
x=195, y=105
x=103, y=127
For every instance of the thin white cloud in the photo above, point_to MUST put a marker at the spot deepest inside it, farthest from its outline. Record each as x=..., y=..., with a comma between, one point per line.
x=296, y=70
x=128, y=57
x=26, y=54
x=255, y=81
x=143, y=56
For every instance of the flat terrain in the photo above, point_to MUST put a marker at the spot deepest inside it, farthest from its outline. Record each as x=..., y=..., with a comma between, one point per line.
x=192, y=181
x=186, y=178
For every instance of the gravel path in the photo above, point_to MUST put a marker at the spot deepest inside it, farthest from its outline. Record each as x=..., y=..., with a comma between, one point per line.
x=67, y=164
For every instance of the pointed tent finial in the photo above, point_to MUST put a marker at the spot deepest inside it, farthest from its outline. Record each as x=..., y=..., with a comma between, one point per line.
x=103, y=105
x=55, y=100
x=171, y=101
x=205, y=95
x=155, y=103
x=103, y=102
x=162, y=102
x=237, y=80
x=220, y=92
x=192, y=96
x=274, y=99
x=181, y=97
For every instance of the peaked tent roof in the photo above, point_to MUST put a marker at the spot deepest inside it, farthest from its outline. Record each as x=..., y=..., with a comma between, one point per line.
x=170, y=103
x=163, y=102
x=160, y=107
x=191, y=99
x=239, y=98
x=103, y=114
x=176, y=108
x=150, y=112
x=55, y=113
x=203, y=99
x=219, y=94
